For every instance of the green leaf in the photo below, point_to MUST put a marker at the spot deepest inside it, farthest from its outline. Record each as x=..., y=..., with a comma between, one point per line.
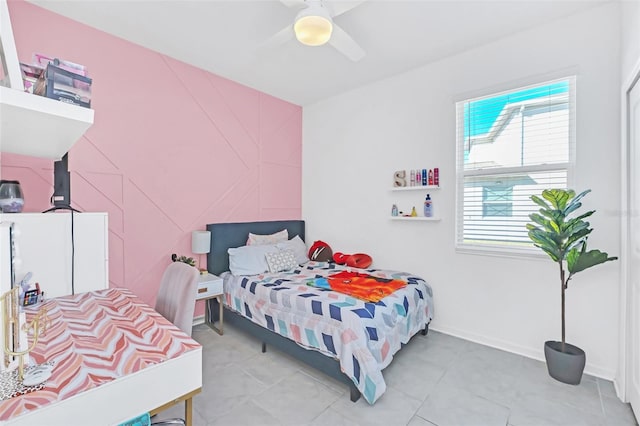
x=541, y=239
x=571, y=208
x=539, y=201
x=558, y=198
x=580, y=196
x=582, y=217
x=537, y=218
x=579, y=261
x=575, y=203
x=577, y=237
x=552, y=254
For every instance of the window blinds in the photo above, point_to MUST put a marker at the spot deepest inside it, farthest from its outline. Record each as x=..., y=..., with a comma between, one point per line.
x=510, y=146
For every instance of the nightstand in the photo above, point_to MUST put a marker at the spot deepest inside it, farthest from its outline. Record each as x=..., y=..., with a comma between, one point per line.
x=210, y=286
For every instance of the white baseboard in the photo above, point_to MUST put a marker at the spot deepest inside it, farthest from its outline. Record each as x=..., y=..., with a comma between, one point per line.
x=538, y=355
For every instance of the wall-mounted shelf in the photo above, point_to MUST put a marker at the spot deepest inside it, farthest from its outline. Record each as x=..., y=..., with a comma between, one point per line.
x=38, y=126
x=416, y=218
x=415, y=188
x=30, y=124
x=407, y=197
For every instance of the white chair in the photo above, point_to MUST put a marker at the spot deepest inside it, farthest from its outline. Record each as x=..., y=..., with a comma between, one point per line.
x=177, y=295
x=176, y=302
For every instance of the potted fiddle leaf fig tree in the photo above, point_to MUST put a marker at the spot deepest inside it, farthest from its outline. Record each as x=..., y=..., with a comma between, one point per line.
x=562, y=234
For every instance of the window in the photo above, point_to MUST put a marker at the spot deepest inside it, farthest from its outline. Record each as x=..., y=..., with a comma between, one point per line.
x=510, y=146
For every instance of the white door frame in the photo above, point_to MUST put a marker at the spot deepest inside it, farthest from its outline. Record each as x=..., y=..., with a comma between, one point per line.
x=623, y=355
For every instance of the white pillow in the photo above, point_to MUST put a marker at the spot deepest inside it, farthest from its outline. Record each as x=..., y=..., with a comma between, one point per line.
x=297, y=246
x=249, y=260
x=283, y=260
x=255, y=239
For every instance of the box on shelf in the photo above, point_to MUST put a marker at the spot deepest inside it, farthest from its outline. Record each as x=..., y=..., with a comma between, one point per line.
x=30, y=76
x=66, y=86
x=42, y=61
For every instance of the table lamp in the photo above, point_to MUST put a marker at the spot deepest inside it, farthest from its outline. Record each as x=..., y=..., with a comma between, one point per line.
x=200, y=244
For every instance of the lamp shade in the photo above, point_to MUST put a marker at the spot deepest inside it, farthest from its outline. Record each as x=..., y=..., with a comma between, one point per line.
x=313, y=25
x=200, y=242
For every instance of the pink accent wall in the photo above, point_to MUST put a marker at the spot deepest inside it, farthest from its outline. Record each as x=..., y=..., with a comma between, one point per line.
x=172, y=148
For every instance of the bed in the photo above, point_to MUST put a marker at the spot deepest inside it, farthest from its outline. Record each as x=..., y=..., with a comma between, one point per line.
x=344, y=337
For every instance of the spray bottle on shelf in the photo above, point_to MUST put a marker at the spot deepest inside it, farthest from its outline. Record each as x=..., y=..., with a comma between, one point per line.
x=428, y=207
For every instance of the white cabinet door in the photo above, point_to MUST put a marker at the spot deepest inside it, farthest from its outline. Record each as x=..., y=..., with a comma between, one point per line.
x=60, y=264
x=91, y=251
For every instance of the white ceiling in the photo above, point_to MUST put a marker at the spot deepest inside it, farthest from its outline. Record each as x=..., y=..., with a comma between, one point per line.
x=224, y=36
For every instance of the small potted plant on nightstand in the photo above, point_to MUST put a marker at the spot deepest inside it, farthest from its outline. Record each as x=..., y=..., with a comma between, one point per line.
x=188, y=260
x=564, y=238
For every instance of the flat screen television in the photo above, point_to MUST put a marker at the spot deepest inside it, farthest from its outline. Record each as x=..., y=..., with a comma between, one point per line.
x=61, y=198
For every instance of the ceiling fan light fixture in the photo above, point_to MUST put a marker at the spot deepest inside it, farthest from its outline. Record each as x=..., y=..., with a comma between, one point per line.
x=313, y=26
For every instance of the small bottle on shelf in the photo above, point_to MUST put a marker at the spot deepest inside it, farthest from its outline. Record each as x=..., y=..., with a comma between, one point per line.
x=430, y=181
x=428, y=207
x=394, y=210
x=436, y=176
x=414, y=213
x=412, y=178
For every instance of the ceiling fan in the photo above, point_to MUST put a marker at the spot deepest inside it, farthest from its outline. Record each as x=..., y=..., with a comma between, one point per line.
x=314, y=26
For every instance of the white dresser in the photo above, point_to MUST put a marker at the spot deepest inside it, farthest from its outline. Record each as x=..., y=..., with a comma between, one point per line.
x=44, y=247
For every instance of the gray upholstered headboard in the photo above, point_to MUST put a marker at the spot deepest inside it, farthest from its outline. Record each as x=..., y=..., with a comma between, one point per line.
x=227, y=235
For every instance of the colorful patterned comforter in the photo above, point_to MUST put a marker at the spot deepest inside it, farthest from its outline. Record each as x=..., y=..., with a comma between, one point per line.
x=363, y=336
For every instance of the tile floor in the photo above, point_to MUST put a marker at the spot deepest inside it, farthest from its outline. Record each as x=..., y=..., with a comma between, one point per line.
x=434, y=380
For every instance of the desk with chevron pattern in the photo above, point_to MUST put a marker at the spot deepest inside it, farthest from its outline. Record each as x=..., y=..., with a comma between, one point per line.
x=115, y=358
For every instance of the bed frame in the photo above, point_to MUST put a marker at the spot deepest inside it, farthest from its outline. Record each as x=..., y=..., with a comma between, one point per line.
x=227, y=235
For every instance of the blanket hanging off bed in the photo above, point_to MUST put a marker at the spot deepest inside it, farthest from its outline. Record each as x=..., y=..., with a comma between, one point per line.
x=361, y=286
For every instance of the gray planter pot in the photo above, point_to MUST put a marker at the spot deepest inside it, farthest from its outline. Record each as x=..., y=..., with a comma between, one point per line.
x=567, y=366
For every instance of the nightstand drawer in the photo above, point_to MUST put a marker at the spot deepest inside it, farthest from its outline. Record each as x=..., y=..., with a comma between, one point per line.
x=209, y=287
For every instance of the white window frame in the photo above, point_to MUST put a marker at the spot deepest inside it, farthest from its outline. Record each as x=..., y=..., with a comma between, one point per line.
x=569, y=166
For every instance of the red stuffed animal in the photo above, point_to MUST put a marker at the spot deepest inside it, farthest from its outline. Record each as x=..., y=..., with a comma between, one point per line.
x=320, y=252
x=358, y=260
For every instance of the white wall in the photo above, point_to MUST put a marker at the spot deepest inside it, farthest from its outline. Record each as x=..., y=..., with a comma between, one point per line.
x=630, y=36
x=353, y=142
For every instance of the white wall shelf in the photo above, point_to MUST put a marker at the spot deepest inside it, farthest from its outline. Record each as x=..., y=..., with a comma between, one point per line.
x=416, y=218
x=423, y=188
x=38, y=126
x=415, y=188
x=30, y=124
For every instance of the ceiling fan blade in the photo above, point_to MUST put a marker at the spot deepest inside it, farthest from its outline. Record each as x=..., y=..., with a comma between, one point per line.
x=278, y=39
x=292, y=3
x=345, y=44
x=339, y=7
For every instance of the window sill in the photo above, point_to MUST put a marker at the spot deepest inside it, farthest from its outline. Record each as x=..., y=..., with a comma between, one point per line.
x=509, y=252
